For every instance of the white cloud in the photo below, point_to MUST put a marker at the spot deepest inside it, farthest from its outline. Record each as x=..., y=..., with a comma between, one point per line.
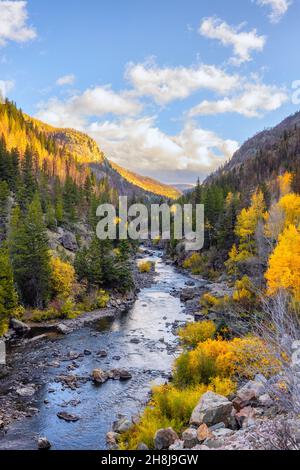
x=243, y=43
x=5, y=87
x=139, y=143
x=256, y=100
x=95, y=101
x=168, y=84
x=278, y=8
x=66, y=80
x=13, y=22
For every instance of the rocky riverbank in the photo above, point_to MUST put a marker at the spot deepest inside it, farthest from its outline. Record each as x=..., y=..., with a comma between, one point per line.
x=20, y=380
x=71, y=387
x=250, y=419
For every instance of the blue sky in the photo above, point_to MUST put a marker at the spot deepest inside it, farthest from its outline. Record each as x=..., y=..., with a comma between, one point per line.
x=167, y=88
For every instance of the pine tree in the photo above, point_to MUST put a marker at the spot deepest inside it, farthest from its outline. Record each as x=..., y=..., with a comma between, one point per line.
x=198, y=192
x=30, y=257
x=4, y=195
x=88, y=264
x=8, y=294
x=28, y=177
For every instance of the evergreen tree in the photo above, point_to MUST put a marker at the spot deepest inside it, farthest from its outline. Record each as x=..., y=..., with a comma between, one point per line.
x=70, y=200
x=4, y=194
x=28, y=177
x=30, y=256
x=198, y=192
x=8, y=294
x=88, y=264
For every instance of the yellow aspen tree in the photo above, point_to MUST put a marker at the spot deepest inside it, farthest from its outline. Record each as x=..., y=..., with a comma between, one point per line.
x=285, y=183
x=247, y=223
x=290, y=204
x=284, y=264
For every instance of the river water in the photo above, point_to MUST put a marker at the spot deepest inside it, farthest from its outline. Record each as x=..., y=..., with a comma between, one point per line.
x=151, y=323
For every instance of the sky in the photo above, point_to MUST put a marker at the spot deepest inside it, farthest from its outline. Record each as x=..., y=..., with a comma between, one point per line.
x=168, y=89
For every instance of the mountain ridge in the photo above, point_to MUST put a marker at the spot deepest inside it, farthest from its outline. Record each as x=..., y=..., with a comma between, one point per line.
x=268, y=153
x=66, y=150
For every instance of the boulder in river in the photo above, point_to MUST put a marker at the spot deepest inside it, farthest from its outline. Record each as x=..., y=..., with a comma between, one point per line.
x=99, y=376
x=122, y=425
x=135, y=341
x=43, y=443
x=67, y=417
x=125, y=374
x=101, y=354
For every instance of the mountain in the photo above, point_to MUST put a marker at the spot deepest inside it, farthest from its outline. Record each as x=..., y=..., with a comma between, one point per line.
x=64, y=151
x=85, y=150
x=147, y=184
x=263, y=157
x=184, y=187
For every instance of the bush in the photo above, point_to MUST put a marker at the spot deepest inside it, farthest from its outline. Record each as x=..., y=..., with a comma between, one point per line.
x=195, y=263
x=240, y=357
x=208, y=301
x=194, y=333
x=94, y=300
x=145, y=266
x=58, y=309
x=210, y=359
x=252, y=356
x=243, y=294
x=170, y=407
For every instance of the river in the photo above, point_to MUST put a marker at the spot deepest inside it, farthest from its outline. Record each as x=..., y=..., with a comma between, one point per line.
x=142, y=341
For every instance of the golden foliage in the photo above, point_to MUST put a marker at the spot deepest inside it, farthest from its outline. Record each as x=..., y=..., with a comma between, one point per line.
x=62, y=277
x=240, y=357
x=285, y=183
x=252, y=356
x=243, y=292
x=194, y=263
x=194, y=333
x=145, y=266
x=284, y=264
x=170, y=407
x=290, y=204
x=148, y=184
x=247, y=222
x=208, y=301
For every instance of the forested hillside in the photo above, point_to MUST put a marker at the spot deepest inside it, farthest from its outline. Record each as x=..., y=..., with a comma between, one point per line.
x=48, y=201
x=242, y=351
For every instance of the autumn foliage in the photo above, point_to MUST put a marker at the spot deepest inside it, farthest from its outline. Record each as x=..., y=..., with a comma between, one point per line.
x=284, y=264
